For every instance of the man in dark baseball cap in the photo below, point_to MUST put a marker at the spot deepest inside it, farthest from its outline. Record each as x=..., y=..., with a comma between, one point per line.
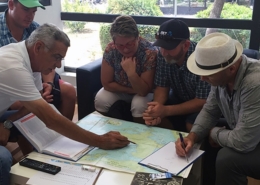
x=189, y=93
x=171, y=33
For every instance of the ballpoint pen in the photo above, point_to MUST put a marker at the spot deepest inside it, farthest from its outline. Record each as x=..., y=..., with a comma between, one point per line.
x=132, y=142
x=183, y=146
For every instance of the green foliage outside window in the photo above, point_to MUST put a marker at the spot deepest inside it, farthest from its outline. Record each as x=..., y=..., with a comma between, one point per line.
x=131, y=7
x=230, y=11
x=79, y=7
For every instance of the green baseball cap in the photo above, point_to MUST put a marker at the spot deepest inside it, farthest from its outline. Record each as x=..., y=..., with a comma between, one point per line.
x=31, y=3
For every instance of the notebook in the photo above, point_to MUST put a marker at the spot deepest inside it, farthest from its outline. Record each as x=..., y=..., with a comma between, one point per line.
x=47, y=141
x=166, y=160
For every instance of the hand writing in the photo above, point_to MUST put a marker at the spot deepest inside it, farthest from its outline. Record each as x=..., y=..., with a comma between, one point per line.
x=179, y=146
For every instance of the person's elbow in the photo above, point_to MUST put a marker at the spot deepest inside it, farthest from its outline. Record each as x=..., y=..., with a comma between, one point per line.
x=144, y=92
x=106, y=86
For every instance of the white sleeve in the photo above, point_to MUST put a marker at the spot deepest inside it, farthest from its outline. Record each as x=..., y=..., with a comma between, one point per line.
x=38, y=80
x=19, y=85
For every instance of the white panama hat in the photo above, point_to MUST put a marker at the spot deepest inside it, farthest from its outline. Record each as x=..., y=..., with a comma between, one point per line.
x=214, y=53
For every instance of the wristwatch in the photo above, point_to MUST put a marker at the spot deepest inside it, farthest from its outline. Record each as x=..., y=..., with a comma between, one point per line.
x=52, y=85
x=8, y=124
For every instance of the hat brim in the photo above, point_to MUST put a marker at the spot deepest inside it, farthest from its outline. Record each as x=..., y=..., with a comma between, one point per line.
x=33, y=4
x=166, y=44
x=192, y=66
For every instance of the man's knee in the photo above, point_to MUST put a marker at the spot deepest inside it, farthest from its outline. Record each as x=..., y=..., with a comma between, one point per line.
x=227, y=160
x=224, y=158
x=230, y=168
x=68, y=91
x=5, y=159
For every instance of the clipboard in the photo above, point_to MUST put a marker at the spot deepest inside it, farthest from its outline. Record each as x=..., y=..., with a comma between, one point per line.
x=165, y=159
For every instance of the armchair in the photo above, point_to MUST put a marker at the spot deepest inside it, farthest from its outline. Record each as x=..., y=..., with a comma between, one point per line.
x=252, y=53
x=88, y=84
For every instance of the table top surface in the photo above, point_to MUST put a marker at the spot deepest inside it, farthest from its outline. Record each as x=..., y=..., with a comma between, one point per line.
x=20, y=174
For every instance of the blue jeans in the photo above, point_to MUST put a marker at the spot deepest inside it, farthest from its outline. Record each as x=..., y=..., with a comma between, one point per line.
x=5, y=166
x=5, y=157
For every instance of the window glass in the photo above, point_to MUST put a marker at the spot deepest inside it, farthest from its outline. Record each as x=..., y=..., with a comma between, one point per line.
x=85, y=43
x=225, y=9
x=88, y=39
x=243, y=36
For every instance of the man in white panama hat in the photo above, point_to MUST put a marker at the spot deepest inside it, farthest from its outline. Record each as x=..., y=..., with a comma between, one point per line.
x=235, y=93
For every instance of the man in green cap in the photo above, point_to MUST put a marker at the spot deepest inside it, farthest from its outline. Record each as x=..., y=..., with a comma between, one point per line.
x=31, y=3
x=17, y=25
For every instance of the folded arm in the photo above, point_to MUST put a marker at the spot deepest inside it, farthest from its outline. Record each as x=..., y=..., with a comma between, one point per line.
x=107, y=80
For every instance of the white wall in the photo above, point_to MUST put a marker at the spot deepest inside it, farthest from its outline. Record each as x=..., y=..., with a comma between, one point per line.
x=50, y=15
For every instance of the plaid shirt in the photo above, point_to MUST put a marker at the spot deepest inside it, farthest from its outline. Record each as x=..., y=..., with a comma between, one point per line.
x=184, y=84
x=5, y=34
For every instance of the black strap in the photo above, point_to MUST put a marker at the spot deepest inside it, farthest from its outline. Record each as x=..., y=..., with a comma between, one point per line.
x=222, y=65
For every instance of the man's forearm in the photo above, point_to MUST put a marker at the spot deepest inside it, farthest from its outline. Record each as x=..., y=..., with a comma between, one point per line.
x=49, y=77
x=193, y=136
x=161, y=95
x=19, y=114
x=60, y=124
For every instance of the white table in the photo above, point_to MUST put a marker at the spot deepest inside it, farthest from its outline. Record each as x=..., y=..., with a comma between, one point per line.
x=20, y=175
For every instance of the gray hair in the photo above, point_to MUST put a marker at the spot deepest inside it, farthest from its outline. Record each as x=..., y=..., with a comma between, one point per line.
x=48, y=33
x=124, y=26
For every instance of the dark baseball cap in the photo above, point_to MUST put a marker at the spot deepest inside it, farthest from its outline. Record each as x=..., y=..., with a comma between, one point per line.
x=171, y=33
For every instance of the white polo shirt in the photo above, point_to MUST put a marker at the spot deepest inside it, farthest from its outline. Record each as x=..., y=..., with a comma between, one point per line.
x=17, y=80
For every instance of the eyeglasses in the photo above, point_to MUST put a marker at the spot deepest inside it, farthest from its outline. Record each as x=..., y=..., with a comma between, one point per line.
x=166, y=37
x=128, y=45
x=57, y=57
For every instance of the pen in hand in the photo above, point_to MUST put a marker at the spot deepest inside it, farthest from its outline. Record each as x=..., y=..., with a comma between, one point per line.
x=183, y=146
x=132, y=142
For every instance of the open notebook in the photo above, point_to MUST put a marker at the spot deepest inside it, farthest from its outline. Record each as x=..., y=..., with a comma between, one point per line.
x=47, y=141
x=166, y=160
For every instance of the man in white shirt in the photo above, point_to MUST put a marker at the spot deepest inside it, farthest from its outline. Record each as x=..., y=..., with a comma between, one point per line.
x=16, y=24
x=41, y=52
